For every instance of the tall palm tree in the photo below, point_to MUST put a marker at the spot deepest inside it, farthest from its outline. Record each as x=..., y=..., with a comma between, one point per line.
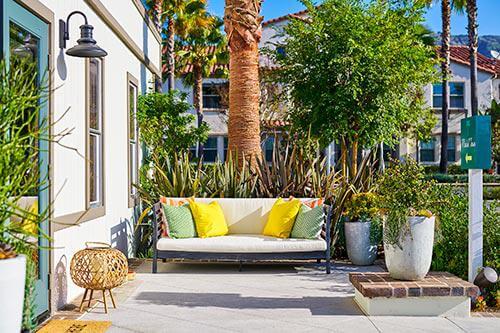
x=446, y=6
x=473, y=40
x=176, y=16
x=445, y=72
x=242, y=22
x=204, y=48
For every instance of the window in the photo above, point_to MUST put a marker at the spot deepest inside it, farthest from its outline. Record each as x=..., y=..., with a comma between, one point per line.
x=211, y=96
x=390, y=152
x=427, y=152
x=457, y=93
x=133, y=139
x=210, y=150
x=269, y=148
x=451, y=151
x=95, y=181
x=281, y=51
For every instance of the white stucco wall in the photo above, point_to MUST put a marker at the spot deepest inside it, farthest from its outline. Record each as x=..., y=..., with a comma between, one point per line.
x=69, y=163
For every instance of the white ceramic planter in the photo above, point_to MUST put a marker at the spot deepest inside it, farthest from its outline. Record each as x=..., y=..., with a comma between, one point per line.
x=12, y=279
x=412, y=260
x=359, y=248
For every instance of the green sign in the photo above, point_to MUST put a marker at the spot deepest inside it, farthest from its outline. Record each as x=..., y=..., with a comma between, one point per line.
x=476, y=142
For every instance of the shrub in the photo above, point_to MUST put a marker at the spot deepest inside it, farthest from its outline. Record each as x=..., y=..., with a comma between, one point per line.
x=451, y=247
x=403, y=192
x=460, y=178
x=362, y=207
x=491, y=193
x=165, y=124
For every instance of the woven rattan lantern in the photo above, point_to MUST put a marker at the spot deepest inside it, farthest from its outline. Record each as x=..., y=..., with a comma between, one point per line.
x=98, y=267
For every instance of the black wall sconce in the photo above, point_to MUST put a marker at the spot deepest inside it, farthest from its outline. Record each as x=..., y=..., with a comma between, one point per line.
x=87, y=46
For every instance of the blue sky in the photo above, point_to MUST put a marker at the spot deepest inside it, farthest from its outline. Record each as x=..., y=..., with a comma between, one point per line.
x=488, y=14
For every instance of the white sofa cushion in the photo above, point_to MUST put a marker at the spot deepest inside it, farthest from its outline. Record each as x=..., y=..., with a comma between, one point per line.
x=243, y=216
x=241, y=243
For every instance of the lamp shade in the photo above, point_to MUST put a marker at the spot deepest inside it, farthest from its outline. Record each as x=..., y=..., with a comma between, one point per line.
x=87, y=46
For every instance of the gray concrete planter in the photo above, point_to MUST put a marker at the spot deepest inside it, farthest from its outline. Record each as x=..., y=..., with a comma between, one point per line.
x=412, y=261
x=359, y=248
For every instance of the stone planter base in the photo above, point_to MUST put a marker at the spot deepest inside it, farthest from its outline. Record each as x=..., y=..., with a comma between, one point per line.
x=438, y=295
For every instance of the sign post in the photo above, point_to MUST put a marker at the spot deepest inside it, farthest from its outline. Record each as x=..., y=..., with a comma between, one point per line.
x=475, y=156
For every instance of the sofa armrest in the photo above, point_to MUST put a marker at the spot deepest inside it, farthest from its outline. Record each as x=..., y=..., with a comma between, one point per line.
x=328, y=227
x=158, y=220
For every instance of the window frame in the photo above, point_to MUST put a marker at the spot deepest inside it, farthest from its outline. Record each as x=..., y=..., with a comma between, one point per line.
x=452, y=138
x=96, y=207
x=132, y=195
x=451, y=95
x=211, y=86
x=212, y=149
x=433, y=140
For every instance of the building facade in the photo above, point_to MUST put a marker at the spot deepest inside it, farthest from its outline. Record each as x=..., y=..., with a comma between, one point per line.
x=92, y=103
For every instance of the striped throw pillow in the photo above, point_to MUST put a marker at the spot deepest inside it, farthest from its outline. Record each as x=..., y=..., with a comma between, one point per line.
x=308, y=223
x=179, y=221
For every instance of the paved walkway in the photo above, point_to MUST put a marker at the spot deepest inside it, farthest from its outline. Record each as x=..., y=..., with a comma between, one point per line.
x=265, y=298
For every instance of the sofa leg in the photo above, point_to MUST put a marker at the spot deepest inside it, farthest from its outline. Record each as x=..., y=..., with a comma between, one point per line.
x=164, y=260
x=240, y=268
x=318, y=261
x=327, y=265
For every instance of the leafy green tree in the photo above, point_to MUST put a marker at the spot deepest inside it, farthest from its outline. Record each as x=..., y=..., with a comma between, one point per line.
x=204, y=48
x=355, y=71
x=165, y=124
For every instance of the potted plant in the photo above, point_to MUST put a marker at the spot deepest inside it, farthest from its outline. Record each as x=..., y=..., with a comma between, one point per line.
x=404, y=197
x=12, y=279
x=361, y=228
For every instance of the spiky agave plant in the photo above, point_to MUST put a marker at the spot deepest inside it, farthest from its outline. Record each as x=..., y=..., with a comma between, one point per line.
x=295, y=170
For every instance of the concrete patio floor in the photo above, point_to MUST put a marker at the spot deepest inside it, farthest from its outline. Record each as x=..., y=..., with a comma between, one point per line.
x=202, y=297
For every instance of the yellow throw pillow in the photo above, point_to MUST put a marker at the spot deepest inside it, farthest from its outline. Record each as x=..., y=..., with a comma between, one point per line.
x=281, y=218
x=208, y=218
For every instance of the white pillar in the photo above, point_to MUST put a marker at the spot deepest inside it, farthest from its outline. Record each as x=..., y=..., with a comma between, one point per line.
x=475, y=222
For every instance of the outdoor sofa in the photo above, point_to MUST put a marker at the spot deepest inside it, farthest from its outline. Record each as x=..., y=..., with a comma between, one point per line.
x=246, y=219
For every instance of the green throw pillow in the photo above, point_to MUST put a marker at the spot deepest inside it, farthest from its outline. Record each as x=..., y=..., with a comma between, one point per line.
x=308, y=223
x=180, y=223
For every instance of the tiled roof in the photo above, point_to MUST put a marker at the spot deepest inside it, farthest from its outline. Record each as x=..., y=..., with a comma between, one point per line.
x=458, y=53
x=275, y=123
x=461, y=54
x=284, y=18
x=189, y=68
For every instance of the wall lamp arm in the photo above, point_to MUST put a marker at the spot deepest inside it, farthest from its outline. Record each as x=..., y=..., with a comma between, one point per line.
x=64, y=28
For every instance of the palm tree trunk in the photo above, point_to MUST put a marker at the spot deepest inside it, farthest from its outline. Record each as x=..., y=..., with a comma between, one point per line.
x=198, y=101
x=445, y=71
x=242, y=22
x=170, y=55
x=473, y=40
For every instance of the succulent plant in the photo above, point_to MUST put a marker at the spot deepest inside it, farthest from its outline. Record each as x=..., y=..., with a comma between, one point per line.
x=7, y=251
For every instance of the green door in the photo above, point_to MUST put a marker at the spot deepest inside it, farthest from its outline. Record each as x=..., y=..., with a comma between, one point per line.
x=25, y=35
